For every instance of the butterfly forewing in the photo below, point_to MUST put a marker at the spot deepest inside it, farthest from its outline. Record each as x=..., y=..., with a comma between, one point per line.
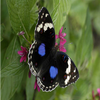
x=44, y=41
x=44, y=31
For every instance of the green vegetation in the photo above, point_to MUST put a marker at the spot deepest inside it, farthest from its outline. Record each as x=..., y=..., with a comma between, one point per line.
x=81, y=22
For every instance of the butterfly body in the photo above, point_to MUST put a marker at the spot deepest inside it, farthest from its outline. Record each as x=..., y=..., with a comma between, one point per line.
x=50, y=66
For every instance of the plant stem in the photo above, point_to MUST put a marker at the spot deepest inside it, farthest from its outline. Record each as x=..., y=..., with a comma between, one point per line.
x=34, y=95
x=25, y=38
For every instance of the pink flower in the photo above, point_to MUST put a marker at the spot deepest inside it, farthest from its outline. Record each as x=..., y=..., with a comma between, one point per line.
x=62, y=48
x=61, y=37
x=62, y=40
x=23, y=53
x=98, y=90
x=21, y=33
x=36, y=85
x=96, y=95
x=93, y=96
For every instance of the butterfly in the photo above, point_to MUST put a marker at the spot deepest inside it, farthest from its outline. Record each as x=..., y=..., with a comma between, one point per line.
x=50, y=66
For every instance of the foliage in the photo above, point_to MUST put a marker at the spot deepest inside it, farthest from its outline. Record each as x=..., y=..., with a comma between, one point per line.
x=79, y=18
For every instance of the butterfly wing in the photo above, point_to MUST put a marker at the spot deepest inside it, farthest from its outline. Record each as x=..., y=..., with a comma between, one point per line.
x=37, y=55
x=47, y=79
x=44, y=31
x=61, y=70
x=68, y=72
x=44, y=41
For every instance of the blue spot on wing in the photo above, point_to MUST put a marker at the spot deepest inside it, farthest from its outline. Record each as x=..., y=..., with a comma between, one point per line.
x=64, y=57
x=52, y=34
x=53, y=72
x=41, y=49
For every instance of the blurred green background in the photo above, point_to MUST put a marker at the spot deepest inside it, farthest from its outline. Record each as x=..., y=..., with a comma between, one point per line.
x=81, y=22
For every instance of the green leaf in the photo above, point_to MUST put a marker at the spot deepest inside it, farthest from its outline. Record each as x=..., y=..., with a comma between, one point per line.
x=82, y=90
x=85, y=43
x=22, y=14
x=11, y=65
x=78, y=11
x=95, y=71
x=3, y=11
x=30, y=87
x=5, y=30
x=6, y=39
x=45, y=95
x=10, y=85
x=1, y=38
x=54, y=14
x=33, y=10
x=1, y=30
x=3, y=50
x=61, y=9
x=96, y=22
x=66, y=30
x=1, y=82
x=47, y=4
x=19, y=14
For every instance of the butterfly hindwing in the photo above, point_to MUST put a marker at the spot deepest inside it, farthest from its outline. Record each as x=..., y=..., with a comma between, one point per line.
x=68, y=72
x=57, y=69
x=47, y=79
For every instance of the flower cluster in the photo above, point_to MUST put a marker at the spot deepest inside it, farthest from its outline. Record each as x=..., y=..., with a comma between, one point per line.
x=96, y=95
x=36, y=85
x=23, y=53
x=62, y=40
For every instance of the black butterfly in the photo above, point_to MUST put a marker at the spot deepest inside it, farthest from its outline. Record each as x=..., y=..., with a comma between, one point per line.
x=51, y=67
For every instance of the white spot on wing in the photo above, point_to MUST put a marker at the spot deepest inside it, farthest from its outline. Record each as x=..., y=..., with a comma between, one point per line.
x=45, y=28
x=42, y=13
x=31, y=63
x=74, y=77
x=41, y=17
x=74, y=70
x=49, y=86
x=46, y=15
x=39, y=27
x=46, y=24
x=69, y=66
x=33, y=46
x=31, y=52
x=50, y=25
x=67, y=80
